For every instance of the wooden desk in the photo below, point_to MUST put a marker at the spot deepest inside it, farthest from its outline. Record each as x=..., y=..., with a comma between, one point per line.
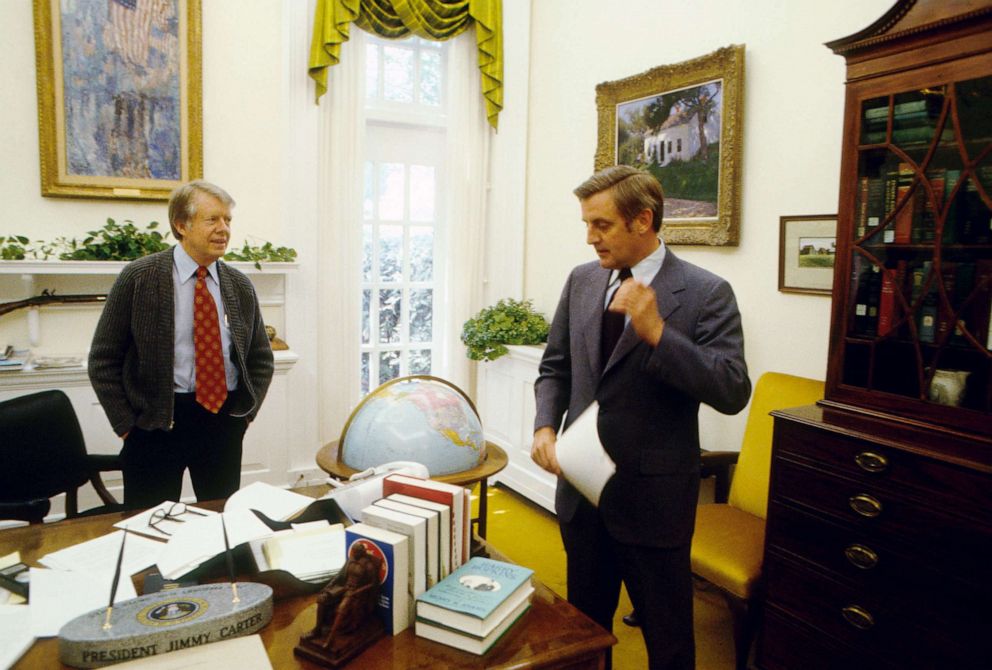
x=553, y=634
x=327, y=459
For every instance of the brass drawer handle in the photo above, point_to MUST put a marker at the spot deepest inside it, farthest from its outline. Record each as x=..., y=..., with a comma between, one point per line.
x=865, y=505
x=858, y=617
x=869, y=461
x=861, y=556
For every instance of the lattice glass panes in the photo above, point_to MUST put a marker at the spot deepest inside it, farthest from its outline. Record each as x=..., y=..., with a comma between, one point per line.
x=405, y=72
x=422, y=193
x=390, y=314
x=391, y=253
x=391, y=184
x=421, y=253
x=389, y=365
x=421, y=315
x=420, y=361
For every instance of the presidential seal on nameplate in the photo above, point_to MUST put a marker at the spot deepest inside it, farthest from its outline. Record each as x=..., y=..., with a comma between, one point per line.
x=165, y=621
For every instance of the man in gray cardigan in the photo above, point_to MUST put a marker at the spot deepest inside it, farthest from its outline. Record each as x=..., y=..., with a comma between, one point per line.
x=144, y=358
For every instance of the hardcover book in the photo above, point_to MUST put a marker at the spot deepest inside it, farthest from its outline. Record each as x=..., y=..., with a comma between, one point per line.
x=453, y=496
x=432, y=519
x=444, y=527
x=477, y=597
x=415, y=528
x=390, y=548
x=470, y=643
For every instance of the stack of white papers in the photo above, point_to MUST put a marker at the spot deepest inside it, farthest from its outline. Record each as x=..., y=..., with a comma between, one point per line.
x=313, y=552
x=201, y=539
x=161, y=521
x=15, y=633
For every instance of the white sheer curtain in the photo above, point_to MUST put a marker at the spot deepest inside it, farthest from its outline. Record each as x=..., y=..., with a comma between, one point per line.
x=467, y=162
x=340, y=189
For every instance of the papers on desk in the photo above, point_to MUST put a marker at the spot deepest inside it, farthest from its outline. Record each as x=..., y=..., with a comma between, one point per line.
x=58, y=596
x=161, y=521
x=244, y=653
x=15, y=633
x=313, y=552
x=100, y=555
x=202, y=538
x=581, y=457
x=276, y=503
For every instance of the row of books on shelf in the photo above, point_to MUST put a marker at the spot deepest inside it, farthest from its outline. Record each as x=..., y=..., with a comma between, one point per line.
x=967, y=219
x=913, y=121
x=882, y=296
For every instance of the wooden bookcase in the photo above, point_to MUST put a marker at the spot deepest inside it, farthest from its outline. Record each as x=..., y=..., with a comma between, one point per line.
x=913, y=276
x=879, y=526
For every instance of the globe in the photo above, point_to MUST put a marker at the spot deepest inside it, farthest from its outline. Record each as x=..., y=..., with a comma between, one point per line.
x=418, y=418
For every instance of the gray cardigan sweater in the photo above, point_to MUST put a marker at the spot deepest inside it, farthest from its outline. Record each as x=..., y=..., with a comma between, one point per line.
x=131, y=358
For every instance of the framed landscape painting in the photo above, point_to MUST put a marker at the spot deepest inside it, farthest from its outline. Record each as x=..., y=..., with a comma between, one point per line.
x=683, y=123
x=806, y=251
x=119, y=97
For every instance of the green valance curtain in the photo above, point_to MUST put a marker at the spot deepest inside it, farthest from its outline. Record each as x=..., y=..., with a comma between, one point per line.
x=429, y=19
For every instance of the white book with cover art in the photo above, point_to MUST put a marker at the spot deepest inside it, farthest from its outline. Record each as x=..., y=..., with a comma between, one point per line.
x=415, y=528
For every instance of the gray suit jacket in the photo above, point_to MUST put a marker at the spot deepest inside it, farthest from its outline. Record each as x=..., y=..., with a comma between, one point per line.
x=131, y=358
x=649, y=397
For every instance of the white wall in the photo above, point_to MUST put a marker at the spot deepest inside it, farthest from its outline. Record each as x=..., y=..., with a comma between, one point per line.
x=792, y=131
x=260, y=128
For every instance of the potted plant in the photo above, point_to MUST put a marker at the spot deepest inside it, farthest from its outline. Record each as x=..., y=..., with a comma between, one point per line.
x=509, y=321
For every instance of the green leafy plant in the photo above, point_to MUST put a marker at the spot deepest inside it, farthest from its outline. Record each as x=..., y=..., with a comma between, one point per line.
x=114, y=242
x=266, y=253
x=13, y=247
x=509, y=321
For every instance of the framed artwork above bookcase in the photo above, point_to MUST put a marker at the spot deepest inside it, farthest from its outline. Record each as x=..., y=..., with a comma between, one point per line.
x=911, y=332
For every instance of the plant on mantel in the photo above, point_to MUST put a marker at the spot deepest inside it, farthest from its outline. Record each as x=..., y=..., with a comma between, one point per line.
x=509, y=321
x=124, y=242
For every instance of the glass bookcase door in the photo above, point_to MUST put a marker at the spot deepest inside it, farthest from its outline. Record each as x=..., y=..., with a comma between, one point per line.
x=920, y=292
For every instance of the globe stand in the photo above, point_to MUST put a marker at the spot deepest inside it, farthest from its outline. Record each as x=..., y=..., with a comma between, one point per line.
x=495, y=461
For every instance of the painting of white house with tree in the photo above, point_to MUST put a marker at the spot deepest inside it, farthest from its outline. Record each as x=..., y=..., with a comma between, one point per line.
x=676, y=136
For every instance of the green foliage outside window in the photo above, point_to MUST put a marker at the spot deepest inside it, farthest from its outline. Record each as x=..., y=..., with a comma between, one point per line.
x=507, y=322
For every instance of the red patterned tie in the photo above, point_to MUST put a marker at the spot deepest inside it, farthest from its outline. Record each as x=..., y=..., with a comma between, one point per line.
x=211, y=382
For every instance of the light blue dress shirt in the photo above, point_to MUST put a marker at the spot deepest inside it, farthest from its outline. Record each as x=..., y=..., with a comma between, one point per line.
x=644, y=273
x=184, y=284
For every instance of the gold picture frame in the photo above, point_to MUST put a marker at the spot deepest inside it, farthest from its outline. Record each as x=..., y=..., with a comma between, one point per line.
x=120, y=114
x=807, y=251
x=665, y=120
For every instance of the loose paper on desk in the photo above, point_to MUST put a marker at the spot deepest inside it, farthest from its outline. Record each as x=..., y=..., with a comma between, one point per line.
x=583, y=461
x=276, y=503
x=58, y=596
x=15, y=633
x=244, y=653
x=202, y=538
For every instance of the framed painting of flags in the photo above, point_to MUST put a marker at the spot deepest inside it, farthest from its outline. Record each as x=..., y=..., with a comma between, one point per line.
x=119, y=97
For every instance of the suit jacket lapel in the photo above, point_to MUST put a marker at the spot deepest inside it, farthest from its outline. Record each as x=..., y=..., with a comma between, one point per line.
x=592, y=320
x=667, y=284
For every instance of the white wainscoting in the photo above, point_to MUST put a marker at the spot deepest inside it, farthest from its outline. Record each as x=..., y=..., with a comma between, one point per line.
x=506, y=405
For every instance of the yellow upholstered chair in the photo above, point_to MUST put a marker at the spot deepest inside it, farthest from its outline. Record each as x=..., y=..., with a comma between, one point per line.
x=728, y=545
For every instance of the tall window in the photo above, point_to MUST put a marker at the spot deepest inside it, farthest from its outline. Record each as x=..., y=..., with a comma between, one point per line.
x=403, y=226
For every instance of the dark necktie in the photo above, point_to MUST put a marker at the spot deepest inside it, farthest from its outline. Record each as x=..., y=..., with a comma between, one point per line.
x=211, y=382
x=613, y=322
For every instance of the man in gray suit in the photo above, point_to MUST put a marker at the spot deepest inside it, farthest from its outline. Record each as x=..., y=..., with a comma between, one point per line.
x=680, y=343
x=180, y=359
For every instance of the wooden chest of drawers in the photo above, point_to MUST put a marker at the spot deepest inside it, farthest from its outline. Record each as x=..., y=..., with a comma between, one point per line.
x=878, y=547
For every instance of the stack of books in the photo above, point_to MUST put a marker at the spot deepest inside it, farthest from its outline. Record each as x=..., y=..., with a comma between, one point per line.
x=475, y=605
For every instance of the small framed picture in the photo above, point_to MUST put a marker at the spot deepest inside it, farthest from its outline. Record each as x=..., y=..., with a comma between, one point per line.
x=807, y=247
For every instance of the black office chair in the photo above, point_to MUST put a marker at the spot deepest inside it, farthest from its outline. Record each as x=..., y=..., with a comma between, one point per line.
x=42, y=454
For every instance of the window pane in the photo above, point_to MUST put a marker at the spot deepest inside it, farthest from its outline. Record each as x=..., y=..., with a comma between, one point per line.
x=390, y=304
x=391, y=191
x=366, y=315
x=397, y=74
x=421, y=253
x=391, y=253
x=371, y=71
x=365, y=372
x=367, y=253
x=421, y=193
x=430, y=78
x=421, y=315
x=389, y=366
x=420, y=361
x=369, y=195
